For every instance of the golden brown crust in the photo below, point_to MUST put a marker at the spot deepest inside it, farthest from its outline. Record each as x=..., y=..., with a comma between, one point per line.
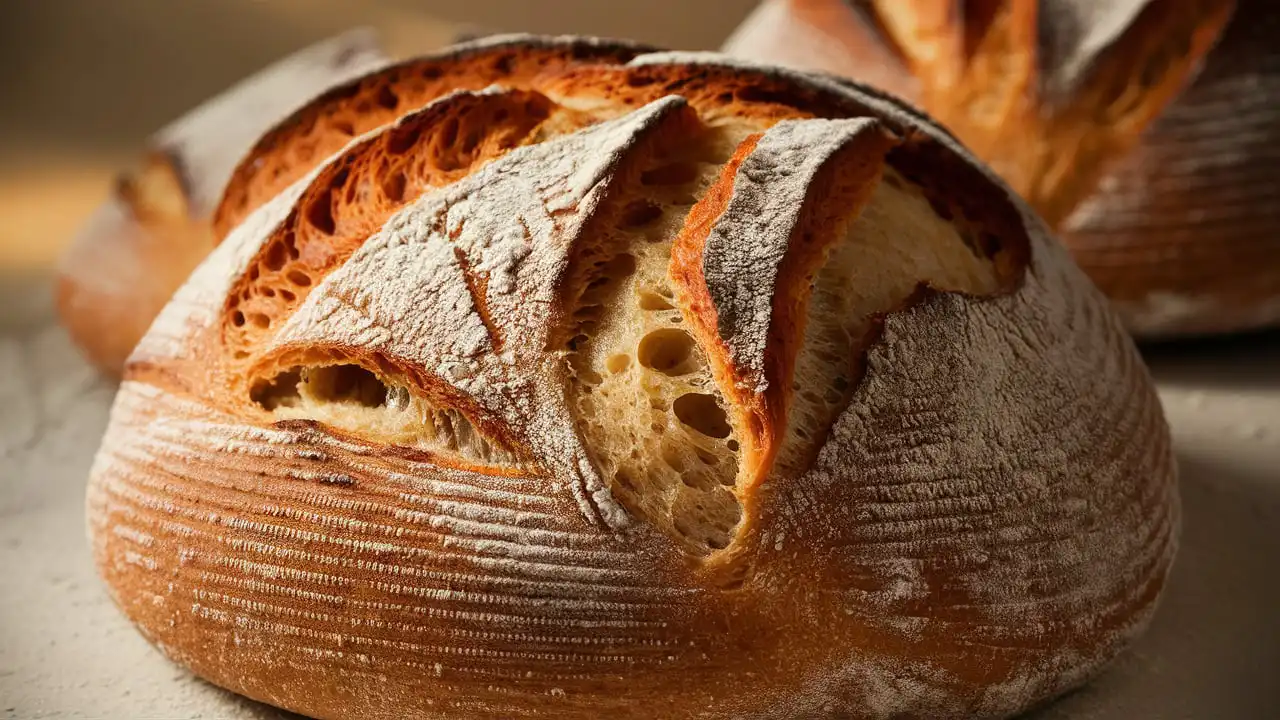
x=330, y=121
x=945, y=551
x=835, y=195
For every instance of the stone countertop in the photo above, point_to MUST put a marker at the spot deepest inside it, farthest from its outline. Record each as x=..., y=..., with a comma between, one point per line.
x=1212, y=652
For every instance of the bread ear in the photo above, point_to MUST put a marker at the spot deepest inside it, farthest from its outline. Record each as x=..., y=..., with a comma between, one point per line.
x=795, y=187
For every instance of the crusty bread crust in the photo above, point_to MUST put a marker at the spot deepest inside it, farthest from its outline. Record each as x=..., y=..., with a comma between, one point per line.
x=1144, y=130
x=981, y=520
x=330, y=121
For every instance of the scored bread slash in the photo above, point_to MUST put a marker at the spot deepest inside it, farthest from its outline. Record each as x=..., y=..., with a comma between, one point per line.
x=323, y=126
x=135, y=251
x=795, y=187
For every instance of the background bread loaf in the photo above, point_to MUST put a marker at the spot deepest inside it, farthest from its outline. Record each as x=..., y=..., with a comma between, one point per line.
x=154, y=229
x=1145, y=131
x=558, y=377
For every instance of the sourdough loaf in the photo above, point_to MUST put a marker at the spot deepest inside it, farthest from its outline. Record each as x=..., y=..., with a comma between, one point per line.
x=1145, y=131
x=558, y=378
x=153, y=230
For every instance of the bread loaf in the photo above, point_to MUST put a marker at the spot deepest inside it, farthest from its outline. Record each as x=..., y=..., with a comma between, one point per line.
x=1145, y=131
x=579, y=381
x=154, y=228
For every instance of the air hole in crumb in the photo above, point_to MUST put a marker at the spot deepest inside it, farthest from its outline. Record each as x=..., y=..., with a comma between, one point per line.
x=732, y=445
x=280, y=391
x=320, y=213
x=260, y=320
x=393, y=186
x=287, y=296
x=673, y=458
x=470, y=140
x=617, y=363
x=669, y=351
x=640, y=213
x=625, y=480
x=275, y=258
x=677, y=173
x=237, y=318
x=347, y=383
x=344, y=127
x=387, y=98
x=703, y=414
x=653, y=301
x=401, y=140
x=449, y=133
x=299, y=278
x=269, y=292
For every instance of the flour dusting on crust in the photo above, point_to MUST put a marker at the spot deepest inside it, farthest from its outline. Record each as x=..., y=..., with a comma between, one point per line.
x=515, y=222
x=769, y=191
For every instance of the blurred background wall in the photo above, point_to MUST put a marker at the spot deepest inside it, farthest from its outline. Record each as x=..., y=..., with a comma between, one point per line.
x=82, y=82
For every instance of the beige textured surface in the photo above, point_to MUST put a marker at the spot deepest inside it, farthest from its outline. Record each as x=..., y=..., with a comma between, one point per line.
x=65, y=651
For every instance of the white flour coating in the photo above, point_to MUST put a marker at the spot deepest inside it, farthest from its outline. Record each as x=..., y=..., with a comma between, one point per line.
x=769, y=190
x=515, y=221
x=939, y=486
x=197, y=303
x=209, y=140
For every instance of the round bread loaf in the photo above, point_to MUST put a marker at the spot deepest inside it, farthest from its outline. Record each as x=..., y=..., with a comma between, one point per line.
x=153, y=230
x=576, y=381
x=1147, y=132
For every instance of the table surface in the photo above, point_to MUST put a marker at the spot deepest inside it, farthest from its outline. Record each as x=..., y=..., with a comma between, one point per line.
x=1213, y=650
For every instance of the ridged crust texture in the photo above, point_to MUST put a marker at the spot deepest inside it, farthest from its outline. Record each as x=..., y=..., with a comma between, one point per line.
x=153, y=229
x=1144, y=131
x=357, y=467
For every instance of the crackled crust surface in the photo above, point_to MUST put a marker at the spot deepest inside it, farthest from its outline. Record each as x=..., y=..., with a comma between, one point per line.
x=677, y=382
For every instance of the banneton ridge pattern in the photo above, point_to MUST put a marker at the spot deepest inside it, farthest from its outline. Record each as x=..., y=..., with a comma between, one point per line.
x=559, y=378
